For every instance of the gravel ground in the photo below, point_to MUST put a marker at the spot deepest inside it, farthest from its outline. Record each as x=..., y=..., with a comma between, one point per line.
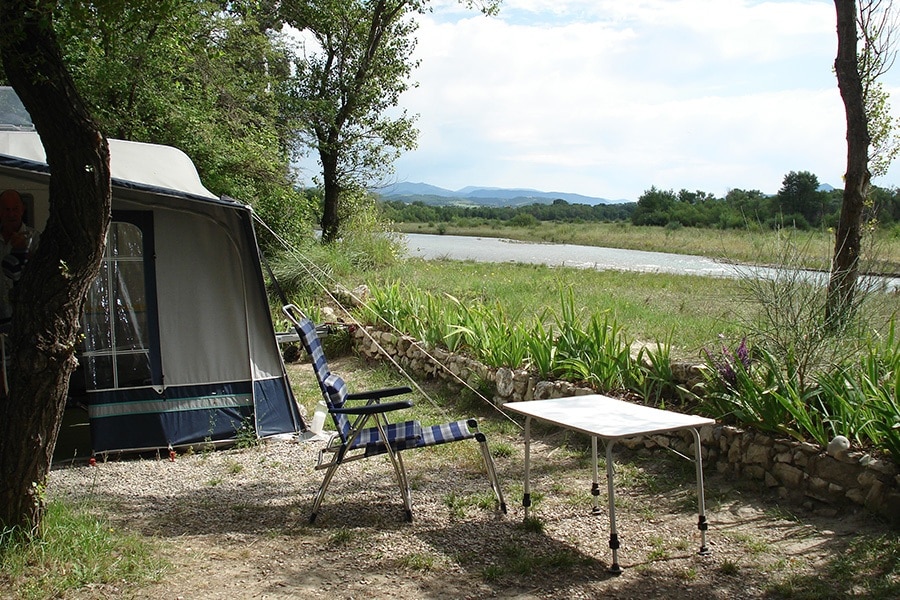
x=234, y=524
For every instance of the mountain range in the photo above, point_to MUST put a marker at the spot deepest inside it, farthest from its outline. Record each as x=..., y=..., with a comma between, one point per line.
x=473, y=195
x=491, y=196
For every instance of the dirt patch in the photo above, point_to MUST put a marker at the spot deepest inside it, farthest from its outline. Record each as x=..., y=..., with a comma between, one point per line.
x=234, y=524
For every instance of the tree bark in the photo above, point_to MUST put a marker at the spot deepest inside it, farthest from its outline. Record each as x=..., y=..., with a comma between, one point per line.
x=331, y=196
x=845, y=262
x=48, y=300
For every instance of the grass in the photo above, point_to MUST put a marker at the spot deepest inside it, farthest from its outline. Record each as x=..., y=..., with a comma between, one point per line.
x=342, y=537
x=564, y=471
x=419, y=561
x=621, y=331
x=693, y=310
x=754, y=545
x=75, y=549
x=531, y=550
x=867, y=569
x=690, y=313
x=729, y=567
x=658, y=550
x=78, y=549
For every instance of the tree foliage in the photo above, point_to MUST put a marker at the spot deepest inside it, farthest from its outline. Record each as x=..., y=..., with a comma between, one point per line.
x=654, y=207
x=738, y=209
x=876, y=24
x=227, y=82
x=799, y=201
x=206, y=77
x=355, y=61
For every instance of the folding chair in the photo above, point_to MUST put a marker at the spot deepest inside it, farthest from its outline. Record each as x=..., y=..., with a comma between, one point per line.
x=354, y=440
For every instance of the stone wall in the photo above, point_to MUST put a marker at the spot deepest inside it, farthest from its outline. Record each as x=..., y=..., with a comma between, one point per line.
x=801, y=473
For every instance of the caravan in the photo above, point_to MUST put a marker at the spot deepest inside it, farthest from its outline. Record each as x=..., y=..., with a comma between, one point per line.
x=179, y=345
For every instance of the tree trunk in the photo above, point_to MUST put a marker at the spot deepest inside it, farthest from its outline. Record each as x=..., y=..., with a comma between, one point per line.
x=48, y=300
x=845, y=263
x=331, y=191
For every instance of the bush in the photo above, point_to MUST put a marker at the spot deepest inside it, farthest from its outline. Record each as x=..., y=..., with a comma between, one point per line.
x=573, y=346
x=524, y=220
x=857, y=398
x=799, y=375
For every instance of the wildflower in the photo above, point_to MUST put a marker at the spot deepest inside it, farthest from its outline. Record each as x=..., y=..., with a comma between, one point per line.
x=725, y=366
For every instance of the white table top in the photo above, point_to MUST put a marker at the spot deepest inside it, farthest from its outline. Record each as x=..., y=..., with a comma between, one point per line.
x=606, y=417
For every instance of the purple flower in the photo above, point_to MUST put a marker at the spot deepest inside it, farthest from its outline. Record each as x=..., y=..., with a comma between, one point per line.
x=725, y=366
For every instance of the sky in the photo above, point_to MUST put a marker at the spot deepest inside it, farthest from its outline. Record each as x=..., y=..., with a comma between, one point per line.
x=607, y=98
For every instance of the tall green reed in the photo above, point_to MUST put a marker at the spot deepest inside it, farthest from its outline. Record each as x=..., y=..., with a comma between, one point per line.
x=857, y=398
x=541, y=347
x=769, y=387
x=570, y=345
x=654, y=378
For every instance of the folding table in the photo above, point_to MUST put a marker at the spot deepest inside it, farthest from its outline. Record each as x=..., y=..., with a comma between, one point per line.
x=611, y=419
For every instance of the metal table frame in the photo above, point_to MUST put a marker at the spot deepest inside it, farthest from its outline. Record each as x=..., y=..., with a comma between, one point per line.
x=611, y=419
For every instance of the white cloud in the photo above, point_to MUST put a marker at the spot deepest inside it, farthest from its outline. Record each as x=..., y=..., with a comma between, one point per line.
x=607, y=98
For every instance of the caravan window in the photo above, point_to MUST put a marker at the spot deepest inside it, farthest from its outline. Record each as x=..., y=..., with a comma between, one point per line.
x=118, y=316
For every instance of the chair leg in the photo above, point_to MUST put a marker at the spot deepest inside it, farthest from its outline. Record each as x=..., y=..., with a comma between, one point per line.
x=491, y=471
x=404, y=488
x=400, y=470
x=320, y=495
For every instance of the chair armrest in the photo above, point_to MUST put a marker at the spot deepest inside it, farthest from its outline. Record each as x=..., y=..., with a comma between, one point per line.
x=371, y=409
x=378, y=394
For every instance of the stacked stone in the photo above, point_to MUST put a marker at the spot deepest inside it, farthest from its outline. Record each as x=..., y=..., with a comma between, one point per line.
x=801, y=473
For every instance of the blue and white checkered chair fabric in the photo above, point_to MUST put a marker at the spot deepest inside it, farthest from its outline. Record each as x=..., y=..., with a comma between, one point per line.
x=313, y=346
x=401, y=436
x=368, y=441
x=446, y=432
x=411, y=434
x=335, y=391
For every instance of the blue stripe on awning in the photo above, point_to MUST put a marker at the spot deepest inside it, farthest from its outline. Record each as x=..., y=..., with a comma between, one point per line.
x=118, y=409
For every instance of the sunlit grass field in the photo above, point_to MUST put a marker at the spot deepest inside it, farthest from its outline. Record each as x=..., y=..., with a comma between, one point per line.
x=691, y=311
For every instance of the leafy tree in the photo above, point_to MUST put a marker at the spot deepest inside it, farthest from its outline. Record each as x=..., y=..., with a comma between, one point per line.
x=653, y=207
x=864, y=105
x=799, y=196
x=697, y=197
x=199, y=75
x=52, y=290
x=885, y=208
x=356, y=63
x=876, y=23
x=524, y=220
x=206, y=77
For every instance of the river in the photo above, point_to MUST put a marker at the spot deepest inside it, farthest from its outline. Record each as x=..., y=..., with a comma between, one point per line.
x=486, y=249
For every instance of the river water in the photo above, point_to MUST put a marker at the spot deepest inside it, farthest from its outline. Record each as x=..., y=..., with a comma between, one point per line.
x=486, y=249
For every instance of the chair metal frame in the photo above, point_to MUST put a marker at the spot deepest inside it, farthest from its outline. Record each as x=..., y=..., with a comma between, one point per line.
x=363, y=426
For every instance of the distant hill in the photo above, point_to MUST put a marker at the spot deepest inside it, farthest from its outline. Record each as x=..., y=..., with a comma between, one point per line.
x=482, y=196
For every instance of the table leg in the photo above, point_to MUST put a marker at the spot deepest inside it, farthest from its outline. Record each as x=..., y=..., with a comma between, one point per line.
x=611, y=491
x=702, y=525
x=595, y=486
x=526, y=497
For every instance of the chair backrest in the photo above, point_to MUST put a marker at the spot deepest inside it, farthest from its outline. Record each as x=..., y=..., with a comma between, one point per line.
x=333, y=388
